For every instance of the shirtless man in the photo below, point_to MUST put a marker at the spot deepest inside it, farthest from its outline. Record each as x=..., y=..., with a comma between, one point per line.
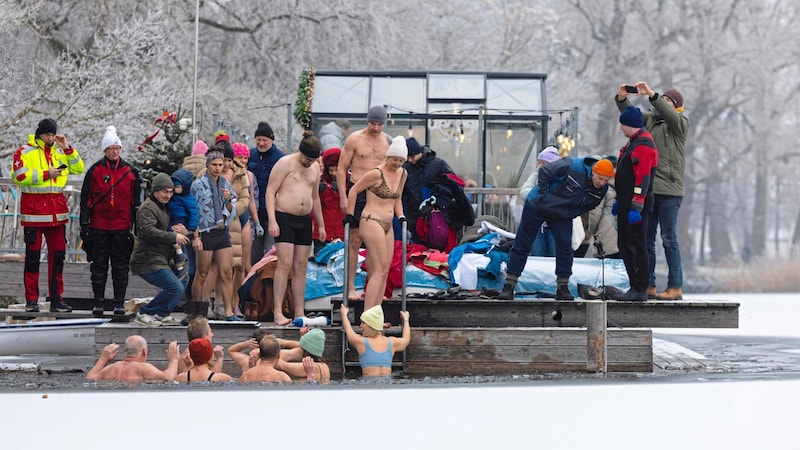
x=134, y=368
x=364, y=150
x=265, y=371
x=292, y=195
x=200, y=328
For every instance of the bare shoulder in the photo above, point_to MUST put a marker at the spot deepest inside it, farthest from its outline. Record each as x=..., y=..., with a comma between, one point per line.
x=219, y=376
x=282, y=376
x=151, y=372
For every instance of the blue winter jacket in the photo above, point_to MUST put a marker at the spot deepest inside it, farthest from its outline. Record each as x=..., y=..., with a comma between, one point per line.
x=261, y=165
x=566, y=190
x=183, y=206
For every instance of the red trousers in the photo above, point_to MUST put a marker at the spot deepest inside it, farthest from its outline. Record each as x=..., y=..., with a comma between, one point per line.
x=56, y=250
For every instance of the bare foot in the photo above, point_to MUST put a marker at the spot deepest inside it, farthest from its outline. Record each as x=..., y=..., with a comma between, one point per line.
x=387, y=325
x=281, y=320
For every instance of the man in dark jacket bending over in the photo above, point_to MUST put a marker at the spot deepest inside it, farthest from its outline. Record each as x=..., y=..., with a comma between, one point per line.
x=567, y=188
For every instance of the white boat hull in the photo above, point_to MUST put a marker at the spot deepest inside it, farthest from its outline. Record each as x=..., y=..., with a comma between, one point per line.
x=56, y=337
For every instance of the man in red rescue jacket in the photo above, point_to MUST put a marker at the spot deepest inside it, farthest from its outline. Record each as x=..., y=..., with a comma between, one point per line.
x=40, y=168
x=109, y=198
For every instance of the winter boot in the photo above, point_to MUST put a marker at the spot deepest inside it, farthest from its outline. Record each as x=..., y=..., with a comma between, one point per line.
x=563, y=293
x=191, y=311
x=633, y=296
x=99, y=307
x=201, y=310
x=119, y=307
x=671, y=293
x=507, y=293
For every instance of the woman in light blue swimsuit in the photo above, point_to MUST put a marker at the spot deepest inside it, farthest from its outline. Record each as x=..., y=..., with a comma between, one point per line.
x=375, y=351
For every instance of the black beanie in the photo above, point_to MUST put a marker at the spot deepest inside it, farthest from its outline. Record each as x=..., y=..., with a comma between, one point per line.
x=413, y=146
x=46, y=126
x=264, y=130
x=227, y=149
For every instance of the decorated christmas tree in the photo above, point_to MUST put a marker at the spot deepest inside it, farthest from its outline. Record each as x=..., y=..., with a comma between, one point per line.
x=164, y=149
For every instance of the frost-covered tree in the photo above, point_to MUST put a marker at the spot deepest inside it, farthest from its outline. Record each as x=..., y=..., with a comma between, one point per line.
x=88, y=64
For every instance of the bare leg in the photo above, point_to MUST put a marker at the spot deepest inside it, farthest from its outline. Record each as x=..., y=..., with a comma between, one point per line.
x=354, y=246
x=379, y=258
x=203, y=262
x=238, y=276
x=212, y=283
x=299, y=269
x=224, y=260
x=284, y=252
x=247, y=245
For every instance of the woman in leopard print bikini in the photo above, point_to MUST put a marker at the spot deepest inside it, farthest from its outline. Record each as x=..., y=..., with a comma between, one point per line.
x=384, y=186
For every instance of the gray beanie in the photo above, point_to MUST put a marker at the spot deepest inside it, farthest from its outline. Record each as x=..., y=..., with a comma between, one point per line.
x=162, y=181
x=377, y=114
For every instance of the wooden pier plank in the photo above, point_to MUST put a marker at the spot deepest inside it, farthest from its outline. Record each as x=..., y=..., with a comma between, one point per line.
x=461, y=313
x=77, y=282
x=436, y=351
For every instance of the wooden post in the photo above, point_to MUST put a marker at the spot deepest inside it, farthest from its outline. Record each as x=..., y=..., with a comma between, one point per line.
x=596, y=315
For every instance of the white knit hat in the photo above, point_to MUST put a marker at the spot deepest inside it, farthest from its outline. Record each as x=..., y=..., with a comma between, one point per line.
x=398, y=148
x=110, y=138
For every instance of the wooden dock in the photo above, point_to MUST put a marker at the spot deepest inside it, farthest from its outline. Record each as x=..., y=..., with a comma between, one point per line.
x=515, y=337
x=451, y=337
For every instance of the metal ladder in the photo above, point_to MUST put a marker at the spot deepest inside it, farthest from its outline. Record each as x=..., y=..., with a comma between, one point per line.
x=345, y=300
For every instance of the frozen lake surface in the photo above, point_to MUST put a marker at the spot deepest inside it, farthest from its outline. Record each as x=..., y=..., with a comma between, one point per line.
x=751, y=403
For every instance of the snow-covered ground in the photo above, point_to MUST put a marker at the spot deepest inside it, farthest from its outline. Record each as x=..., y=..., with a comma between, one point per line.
x=618, y=413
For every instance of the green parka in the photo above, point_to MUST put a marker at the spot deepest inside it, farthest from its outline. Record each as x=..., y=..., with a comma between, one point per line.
x=669, y=129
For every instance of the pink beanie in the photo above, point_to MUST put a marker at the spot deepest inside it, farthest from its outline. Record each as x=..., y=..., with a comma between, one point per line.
x=240, y=149
x=200, y=148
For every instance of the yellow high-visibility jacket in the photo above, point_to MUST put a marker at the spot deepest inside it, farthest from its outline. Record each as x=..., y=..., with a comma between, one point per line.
x=43, y=203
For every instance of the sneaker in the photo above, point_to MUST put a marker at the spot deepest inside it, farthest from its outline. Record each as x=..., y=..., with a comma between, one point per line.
x=59, y=306
x=237, y=312
x=233, y=318
x=219, y=310
x=168, y=321
x=32, y=306
x=147, y=320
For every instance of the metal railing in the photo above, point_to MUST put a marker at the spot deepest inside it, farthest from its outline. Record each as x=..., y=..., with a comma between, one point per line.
x=498, y=202
x=11, y=233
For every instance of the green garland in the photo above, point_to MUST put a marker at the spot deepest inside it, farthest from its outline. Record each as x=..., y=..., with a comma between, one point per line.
x=305, y=95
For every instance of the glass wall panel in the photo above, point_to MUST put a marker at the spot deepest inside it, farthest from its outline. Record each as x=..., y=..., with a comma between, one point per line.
x=401, y=94
x=514, y=94
x=456, y=141
x=510, y=157
x=341, y=95
x=456, y=85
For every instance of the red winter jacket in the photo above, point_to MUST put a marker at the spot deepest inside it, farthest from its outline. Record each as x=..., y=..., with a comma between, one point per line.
x=110, y=195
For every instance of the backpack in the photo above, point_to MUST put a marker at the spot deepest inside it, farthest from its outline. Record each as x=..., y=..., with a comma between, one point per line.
x=438, y=229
